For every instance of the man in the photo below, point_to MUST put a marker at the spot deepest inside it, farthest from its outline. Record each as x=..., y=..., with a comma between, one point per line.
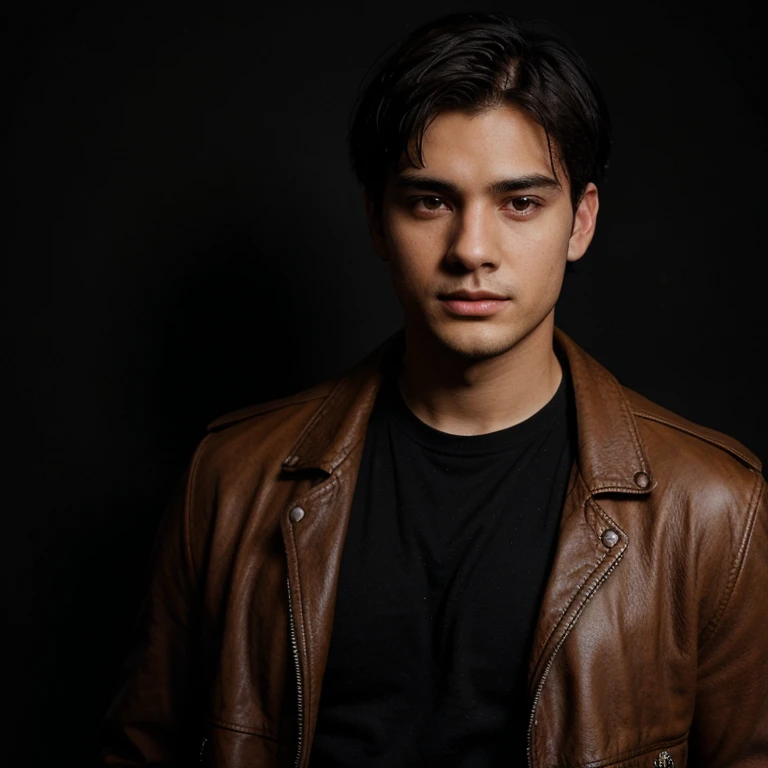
x=476, y=548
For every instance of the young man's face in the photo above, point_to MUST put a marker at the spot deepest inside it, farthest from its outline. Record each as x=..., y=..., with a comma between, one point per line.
x=479, y=238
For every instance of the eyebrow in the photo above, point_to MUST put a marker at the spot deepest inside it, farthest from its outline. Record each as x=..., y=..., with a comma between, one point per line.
x=501, y=187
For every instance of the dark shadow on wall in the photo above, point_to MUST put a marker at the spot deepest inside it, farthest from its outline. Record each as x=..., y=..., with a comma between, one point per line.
x=226, y=327
x=213, y=319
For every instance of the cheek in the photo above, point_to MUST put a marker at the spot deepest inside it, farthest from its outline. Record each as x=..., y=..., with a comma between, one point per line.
x=541, y=257
x=551, y=236
x=408, y=279
x=413, y=253
x=403, y=267
x=546, y=243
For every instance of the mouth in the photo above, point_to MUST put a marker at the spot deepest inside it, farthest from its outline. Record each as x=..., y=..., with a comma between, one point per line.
x=472, y=303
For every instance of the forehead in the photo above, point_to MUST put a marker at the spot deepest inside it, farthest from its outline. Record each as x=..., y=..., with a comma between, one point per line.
x=498, y=142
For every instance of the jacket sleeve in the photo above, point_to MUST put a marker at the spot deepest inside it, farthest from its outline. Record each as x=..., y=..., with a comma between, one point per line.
x=153, y=719
x=730, y=723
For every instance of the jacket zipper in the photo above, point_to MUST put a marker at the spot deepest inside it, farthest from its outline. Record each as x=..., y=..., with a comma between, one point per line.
x=299, y=689
x=545, y=674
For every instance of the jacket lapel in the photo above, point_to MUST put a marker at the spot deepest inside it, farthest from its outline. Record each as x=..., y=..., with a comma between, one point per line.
x=314, y=526
x=610, y=459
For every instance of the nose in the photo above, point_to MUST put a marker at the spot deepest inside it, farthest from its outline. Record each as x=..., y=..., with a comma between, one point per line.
x=472, y=243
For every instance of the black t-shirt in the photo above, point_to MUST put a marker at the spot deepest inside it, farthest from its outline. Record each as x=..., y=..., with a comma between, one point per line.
x=449, y=546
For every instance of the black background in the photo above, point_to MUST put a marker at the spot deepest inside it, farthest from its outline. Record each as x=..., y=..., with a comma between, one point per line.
x=186, y=238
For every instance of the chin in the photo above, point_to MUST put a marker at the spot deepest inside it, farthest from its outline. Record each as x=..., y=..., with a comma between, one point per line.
x=476, y=343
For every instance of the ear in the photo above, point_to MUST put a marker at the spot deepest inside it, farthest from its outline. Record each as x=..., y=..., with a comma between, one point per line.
x=375, y=228
x=584, y=221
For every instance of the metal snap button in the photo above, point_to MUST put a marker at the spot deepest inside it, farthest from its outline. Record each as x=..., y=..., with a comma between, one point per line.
x=297, y=513
x=610, y=538
x=642, y=480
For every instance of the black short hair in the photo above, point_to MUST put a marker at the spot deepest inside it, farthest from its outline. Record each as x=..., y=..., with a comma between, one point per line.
x=474, y=62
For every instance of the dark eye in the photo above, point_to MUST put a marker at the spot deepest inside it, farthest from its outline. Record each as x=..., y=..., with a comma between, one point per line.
x=431, y=203
x=522, y=204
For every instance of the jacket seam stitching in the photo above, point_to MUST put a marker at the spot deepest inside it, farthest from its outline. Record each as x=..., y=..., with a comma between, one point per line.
x=588, y=593
x=344, y=455
x=694, y=433
x=631, y=426
x=639, y=752
x=261, y=410
x=191, y=482
x=738, y=563
x=330, y=398
x=630, y=423
x=574, y=594
x=578, y=587
x=226, y=725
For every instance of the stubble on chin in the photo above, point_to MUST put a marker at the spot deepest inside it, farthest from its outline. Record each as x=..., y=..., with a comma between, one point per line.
x=472, y=346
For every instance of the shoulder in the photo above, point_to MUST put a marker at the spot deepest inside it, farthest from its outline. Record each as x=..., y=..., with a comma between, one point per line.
x=710, y=494
x=257, y=438
x=285, y=407
x=694, y=461
x=679, y=431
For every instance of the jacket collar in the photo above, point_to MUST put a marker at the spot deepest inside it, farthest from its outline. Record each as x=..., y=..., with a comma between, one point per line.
x=611, y=455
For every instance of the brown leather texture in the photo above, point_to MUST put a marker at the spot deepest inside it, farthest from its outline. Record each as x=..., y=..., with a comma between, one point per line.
x=651, y=635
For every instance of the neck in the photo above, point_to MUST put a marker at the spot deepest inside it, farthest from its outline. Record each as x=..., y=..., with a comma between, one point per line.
x=473, y=397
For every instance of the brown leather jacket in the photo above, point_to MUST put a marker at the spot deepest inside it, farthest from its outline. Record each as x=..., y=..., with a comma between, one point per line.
x=651, y=637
